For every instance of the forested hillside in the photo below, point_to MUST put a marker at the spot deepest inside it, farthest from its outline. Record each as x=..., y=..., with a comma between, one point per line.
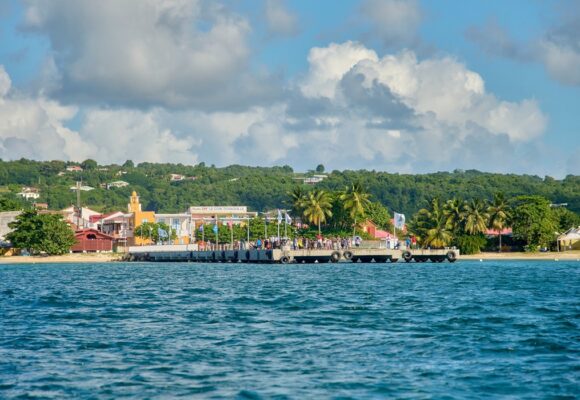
x=260, y=188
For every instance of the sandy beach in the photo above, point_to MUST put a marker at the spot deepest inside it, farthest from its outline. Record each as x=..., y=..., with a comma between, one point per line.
x=65, y=258
x=566, y=255
x=111, y=257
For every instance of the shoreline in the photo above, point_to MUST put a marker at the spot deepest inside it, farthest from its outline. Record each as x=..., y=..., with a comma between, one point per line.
x=117, y=257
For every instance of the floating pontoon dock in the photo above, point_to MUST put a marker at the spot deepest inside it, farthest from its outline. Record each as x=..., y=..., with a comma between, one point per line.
x=189, y=253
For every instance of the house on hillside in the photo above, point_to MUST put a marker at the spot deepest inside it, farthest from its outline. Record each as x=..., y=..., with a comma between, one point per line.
x=74, y=168
x=29, y=193
x=117, y=184
x=84, y=188
x=92, y=241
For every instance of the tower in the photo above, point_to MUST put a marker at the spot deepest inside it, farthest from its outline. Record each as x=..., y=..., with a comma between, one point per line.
x=134, y=205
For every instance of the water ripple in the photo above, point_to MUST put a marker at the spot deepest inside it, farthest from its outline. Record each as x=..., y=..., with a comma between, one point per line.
x=467, y=330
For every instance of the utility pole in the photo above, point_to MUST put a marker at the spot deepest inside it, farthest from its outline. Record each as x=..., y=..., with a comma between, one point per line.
x=79, y=209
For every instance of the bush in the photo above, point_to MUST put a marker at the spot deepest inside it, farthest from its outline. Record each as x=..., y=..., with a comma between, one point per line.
x=470, y=244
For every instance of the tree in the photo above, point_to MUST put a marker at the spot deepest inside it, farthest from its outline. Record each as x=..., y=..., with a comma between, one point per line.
x=453, y=211
x=475, y=216
x=297, y=199
x=89, y=164
x=320, y=168
x=37, y=233
x=156, y=231
x=566, y=219
x=379, y=214
x=533, y=221
x=499, y=215
x=8, y=204
x=438, y=236
x=317, y=207
x=128, y=164
x=355, y=201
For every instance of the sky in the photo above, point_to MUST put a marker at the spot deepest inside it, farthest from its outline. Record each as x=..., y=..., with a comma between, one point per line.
x=388, y=85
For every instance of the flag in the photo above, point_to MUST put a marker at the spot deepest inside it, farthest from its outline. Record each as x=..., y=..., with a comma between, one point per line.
x=399, y=220
x=288, y=219
x=215, y=228
x=279, y=217
x=201, y=228
x=162, y=233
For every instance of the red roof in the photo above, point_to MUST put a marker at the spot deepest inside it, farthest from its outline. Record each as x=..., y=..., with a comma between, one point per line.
x=505, y=231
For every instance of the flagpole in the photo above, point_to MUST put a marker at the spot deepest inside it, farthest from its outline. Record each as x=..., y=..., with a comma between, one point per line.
x=232, y=233
x=216, y=232
x=203, y=231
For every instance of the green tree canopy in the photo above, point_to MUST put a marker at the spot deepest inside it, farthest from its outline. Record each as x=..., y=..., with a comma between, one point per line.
x=533, y=221
x=38, y=233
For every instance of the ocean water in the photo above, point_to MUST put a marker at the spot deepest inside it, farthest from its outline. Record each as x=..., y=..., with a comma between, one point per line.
x=365, y=331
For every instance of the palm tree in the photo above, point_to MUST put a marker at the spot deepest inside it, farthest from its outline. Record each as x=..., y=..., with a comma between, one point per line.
x=453, y=211
x=317, y=206
x=499, y=214
x=297, y=198
x=426, y=219
x=355, y=201
x=439, y=235
x=475, y=216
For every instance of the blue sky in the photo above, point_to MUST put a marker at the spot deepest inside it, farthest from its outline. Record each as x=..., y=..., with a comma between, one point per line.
x=401, y=86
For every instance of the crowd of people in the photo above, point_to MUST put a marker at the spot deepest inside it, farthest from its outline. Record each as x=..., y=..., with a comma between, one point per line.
x=304, y=243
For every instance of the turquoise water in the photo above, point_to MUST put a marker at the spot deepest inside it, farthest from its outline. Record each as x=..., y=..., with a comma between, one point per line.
x=463, y=330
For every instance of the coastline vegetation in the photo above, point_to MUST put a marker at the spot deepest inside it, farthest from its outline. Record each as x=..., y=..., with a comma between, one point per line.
x=443, y=208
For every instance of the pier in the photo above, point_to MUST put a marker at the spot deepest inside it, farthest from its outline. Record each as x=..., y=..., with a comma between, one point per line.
x=190, y=253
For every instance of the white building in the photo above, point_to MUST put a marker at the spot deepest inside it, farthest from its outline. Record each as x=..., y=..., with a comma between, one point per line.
x=117, y=184
x=29, y=193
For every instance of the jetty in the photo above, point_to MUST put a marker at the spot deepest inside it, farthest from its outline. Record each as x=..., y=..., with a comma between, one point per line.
x=285, y=255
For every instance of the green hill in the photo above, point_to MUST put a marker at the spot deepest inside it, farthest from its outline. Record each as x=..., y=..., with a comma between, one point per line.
x=258, y=187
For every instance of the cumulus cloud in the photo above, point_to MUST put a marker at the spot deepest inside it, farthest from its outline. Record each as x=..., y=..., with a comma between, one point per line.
x=172, y=53
x=36, y=127
x=394, y=22
x=352, y=109
x=279, y=19
x=558, y=48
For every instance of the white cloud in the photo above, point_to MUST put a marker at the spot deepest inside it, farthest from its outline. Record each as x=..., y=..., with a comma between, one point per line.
x=329, y=64
x=442, y=86
x=146, y=52
x=279, y=19
x=351, y=110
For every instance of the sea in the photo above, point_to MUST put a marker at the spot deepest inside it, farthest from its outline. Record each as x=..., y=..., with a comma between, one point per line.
x=468, y=330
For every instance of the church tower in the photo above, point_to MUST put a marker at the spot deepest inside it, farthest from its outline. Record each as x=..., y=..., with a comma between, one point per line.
x=134, y=206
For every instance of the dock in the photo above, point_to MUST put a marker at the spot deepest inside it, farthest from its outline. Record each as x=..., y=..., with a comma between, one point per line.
x=190, y=253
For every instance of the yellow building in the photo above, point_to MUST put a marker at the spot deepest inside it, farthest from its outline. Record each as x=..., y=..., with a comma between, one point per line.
x=138, y=217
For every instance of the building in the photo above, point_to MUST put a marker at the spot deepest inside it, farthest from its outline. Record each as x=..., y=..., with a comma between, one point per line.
x=207, y=214
x=182, y=224
x=138, y=218
x=29, y=193
x=80, y=220
x=117, y=184
x=373, y=230
x=74, y=168
x=7, y=217
x=569, y=240
x=92, y=241
x=176, y=177
x=41, y=206
x=83, y=188
x=117, y=225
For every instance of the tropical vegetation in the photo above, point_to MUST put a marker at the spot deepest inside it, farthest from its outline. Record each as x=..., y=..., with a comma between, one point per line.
x=41, y=233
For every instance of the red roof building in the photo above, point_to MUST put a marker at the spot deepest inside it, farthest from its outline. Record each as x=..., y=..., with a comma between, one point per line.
x=91, y=240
